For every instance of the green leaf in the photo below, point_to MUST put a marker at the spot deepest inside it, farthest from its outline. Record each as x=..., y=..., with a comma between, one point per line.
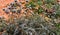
x=49, y=6
x=40, y=10
x=49, y=1
x=32, y=4
x=40, y=2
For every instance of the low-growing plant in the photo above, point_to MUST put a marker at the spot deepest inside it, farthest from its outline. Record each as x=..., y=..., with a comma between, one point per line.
x=34, y=24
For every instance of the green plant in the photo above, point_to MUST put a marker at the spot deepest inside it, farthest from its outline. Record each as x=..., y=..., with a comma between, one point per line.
x=34, y=24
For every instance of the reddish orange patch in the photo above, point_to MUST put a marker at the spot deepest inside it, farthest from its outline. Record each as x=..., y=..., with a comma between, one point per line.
x=3, y=4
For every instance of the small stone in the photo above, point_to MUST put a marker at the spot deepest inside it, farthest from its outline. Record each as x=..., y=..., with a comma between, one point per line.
x=3, y=9
x=13, y=10
x=27, y=0
x=15, y=0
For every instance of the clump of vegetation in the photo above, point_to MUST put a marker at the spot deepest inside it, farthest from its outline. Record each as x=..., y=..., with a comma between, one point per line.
x=32, y=25
x=44, y=18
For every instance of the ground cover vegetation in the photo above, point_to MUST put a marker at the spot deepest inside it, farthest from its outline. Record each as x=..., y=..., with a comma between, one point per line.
x=40, y=17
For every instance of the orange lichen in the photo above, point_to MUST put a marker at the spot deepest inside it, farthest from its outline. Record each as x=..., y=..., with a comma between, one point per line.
x=3, y=4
